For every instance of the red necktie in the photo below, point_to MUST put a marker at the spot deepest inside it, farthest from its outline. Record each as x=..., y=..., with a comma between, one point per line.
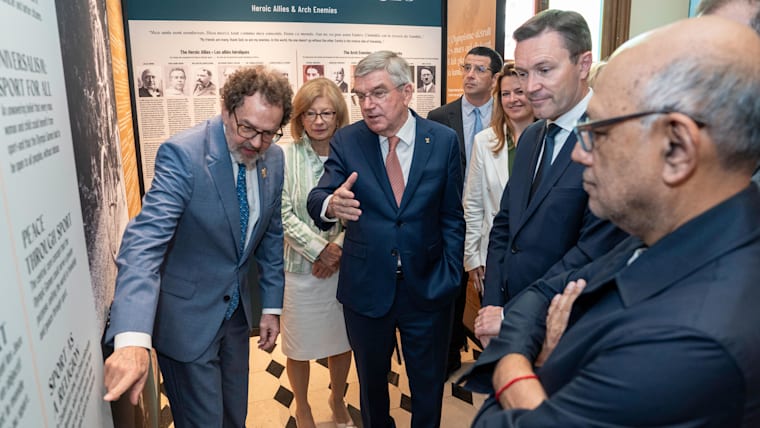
x=393, y=168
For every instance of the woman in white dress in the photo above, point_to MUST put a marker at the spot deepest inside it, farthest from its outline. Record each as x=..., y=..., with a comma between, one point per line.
x=312, y=319
x=490, y=163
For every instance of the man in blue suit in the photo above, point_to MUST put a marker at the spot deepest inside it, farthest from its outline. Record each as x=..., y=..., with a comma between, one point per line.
x=665, y=331
x=396, y=180
x=468, y=115
x=214, y=204
x=544, y=226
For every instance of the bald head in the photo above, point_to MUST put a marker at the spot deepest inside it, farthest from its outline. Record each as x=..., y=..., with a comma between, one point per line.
x=746, y=12
x=673, y=128
x=716, y=83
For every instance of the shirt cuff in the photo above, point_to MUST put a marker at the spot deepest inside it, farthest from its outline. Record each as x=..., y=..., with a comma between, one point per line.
x=271, y=311
x=323, y=213
x=132, y=338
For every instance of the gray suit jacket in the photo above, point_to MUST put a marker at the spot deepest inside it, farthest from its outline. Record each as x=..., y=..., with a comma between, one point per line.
x=180, y=256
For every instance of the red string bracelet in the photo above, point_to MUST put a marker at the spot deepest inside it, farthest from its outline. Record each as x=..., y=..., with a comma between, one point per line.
x=512, y=382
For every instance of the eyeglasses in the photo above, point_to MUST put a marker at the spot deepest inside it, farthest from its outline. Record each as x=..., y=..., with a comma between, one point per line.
x=584, y=131
x=327, y=116
x=480, y=69
x=249, y=132
x=376, y=95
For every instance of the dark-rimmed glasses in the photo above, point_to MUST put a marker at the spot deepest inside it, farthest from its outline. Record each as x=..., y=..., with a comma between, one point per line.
x=584, y=130
x=480, y=69
x=376, y=95
x=326, y=116
x=249, y=132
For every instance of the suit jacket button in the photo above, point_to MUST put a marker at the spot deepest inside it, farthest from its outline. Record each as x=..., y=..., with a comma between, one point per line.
x=394, y=253
x=227, y=298
x=515, y=250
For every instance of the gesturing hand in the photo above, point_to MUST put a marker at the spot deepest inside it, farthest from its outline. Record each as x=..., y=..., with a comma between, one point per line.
x=558, y=316
x=342, y=205
x=126, y=371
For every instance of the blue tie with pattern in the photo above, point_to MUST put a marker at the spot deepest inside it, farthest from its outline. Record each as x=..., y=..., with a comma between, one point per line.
x=476, y=127
x=242, y=195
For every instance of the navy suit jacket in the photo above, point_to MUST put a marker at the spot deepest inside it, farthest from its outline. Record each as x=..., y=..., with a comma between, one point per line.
x=426, y=231
x=553, y=232
x=670, y=339
x=180, y=256
x=451, y=115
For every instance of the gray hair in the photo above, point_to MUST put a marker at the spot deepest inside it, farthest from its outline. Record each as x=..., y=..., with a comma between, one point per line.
x=397, y=67
x=724, y=95
x=710, y=7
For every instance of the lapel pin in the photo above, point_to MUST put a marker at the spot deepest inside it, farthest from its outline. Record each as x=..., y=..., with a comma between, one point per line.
x=263, y=173
x=427, y=140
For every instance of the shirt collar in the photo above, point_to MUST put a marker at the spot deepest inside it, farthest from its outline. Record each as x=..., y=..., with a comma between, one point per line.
x=568, y=120
x=701, y=240
x=407, y=131
x=485, y=109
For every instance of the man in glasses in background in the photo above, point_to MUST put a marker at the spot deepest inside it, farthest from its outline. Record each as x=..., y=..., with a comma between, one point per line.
x=664, y=332
x=395, y=179
x=214, y=205
x=468, y=115
x=544, y=226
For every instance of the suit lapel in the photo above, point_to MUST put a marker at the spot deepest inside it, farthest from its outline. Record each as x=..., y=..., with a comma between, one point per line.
x=561, y=163
x=370, y=145
x=265, y=196
x=455, y=119
x=423, y=147
x=522, y=192
x=220, y=166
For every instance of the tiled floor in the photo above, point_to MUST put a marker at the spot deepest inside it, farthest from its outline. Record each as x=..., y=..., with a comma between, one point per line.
x=271, y=403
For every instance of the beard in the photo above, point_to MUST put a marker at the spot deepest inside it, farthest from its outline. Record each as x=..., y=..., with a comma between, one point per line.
x=248, y=160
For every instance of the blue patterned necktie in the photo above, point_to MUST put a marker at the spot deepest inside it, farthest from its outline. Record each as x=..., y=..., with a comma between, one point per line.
x=476, y=127
x=242, y=195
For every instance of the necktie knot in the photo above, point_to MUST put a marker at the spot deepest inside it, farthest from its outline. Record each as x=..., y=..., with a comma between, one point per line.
x=393, y=143
x=552, y=130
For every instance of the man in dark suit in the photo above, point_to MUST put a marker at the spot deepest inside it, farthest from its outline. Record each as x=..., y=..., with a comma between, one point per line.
x=149, y=84
x=427, y=80
x=214, y=204
x=480, y=67
x=665, y=332
x=544, y=226
x=339, y=77
x=395, y=179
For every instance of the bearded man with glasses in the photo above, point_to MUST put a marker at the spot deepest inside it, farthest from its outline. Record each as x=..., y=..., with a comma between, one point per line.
x=213, y=206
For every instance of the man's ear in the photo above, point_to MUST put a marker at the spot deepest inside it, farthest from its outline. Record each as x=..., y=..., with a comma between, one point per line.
x=682, y=149
x=584, y=62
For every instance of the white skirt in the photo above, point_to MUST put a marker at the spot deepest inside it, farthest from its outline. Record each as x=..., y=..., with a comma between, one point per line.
x=312, y=318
